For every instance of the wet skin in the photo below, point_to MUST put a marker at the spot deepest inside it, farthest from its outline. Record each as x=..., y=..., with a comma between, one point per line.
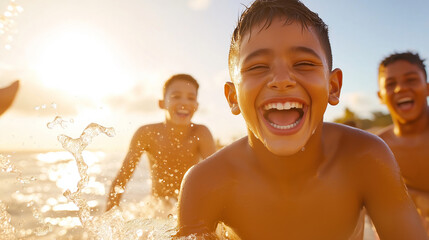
x=172, y=147
x=264, y=186
x=404, y=90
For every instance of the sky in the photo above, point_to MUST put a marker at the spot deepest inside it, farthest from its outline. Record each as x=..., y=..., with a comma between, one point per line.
x=104, y=61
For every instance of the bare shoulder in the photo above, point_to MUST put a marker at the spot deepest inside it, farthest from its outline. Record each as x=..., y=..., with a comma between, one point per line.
x=148, y=129
x=359, y=145
x=201, y=130
x=218, y=166
x=142, y=136
x=363, y=151
x=213, y=175
x=205, y=190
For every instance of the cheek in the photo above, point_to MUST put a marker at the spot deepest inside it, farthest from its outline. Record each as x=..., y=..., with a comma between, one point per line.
x=247, y=94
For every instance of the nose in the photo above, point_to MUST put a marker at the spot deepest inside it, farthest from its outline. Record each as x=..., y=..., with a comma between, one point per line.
x=282, y=79
x=400, y=86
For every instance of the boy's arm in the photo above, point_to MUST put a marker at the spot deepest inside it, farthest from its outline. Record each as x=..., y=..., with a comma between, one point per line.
x=207, y=144
x=386, y=198
x=137, y=146
x=202, y=198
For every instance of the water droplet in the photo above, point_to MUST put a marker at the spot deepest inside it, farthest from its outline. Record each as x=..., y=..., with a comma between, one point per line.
x=54, y=105
x=119, y=189
x=302, y=149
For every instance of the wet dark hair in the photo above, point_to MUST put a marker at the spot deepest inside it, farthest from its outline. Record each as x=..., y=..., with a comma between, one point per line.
x=176, y=77
x=265, y=11
x=410, y=57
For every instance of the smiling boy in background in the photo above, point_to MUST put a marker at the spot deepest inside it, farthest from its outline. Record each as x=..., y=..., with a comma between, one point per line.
x=293, y=176
x=403, y=88
x=172, y=146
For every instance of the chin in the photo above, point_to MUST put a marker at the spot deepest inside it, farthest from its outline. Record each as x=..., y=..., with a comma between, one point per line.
x=283, y=151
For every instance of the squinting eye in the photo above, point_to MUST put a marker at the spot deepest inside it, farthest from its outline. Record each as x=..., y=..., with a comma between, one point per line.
x=257, y=67
x=305, y=64
x=390, y=84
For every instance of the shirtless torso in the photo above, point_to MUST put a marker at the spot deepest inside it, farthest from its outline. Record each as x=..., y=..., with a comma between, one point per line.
x=269, y=198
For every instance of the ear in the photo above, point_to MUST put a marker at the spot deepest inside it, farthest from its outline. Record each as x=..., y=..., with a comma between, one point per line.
x=196, y=107
x=335, y=84
x=380, y=98
x=231, y=97
x=161, y=104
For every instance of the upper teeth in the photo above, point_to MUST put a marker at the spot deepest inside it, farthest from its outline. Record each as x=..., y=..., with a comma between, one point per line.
x=283, y=106
x=406, y=99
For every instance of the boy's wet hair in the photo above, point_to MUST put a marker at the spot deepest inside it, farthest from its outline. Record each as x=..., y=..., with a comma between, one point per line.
x=264, y=11
x=176, y=77
x=410, y=57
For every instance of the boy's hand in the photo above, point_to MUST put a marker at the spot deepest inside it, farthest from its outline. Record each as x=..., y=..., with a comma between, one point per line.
x=7, y=95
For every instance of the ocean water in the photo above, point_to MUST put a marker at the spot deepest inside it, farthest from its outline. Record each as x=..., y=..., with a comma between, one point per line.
x=32, y=194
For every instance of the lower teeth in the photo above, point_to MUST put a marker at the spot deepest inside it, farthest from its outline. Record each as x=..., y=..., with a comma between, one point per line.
x=285, y=127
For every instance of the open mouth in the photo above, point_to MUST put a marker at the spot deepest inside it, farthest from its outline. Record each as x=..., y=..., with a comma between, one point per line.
x=183, y=112
x=283, y=115
x=405, y=103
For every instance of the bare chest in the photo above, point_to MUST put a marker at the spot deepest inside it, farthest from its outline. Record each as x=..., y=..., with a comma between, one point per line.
x=318, y=209
x=413, y=161
x=178, y=153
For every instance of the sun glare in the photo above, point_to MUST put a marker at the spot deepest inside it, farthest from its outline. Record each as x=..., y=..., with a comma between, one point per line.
x=81, y=63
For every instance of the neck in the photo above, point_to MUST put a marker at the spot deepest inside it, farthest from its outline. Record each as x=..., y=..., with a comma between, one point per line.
x=415, y=127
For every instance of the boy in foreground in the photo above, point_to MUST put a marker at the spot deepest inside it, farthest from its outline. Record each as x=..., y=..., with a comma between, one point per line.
x=293, y=176
x=172, y=146
x=404, y=90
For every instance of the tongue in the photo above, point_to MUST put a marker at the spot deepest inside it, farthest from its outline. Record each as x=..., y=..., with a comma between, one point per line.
x=283, y=117
x=405, y=106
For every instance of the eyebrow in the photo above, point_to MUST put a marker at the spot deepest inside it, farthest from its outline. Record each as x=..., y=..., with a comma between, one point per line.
x=411, y=73
x=405, y=74
x=259, y=52
x=305, y=50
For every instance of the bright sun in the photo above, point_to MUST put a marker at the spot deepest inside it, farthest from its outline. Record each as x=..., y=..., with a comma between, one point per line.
x=80, y=62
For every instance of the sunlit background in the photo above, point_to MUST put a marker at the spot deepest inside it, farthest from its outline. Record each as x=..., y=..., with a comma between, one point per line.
x=104, y=61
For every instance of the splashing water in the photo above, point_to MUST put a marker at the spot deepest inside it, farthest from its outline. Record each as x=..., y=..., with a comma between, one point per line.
x=112, y=224
x=58, y=121
x=76, y=147
x=7, y=231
